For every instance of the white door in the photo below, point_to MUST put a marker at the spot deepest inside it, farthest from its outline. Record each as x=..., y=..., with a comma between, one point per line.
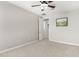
x=41, y=29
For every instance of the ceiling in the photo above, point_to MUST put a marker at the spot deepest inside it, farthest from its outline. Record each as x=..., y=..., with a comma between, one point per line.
x=61, y=6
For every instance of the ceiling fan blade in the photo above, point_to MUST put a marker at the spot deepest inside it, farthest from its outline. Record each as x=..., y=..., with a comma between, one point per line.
x=51, y=6
x=50, y=1
x=35, y=5
x=41, y=2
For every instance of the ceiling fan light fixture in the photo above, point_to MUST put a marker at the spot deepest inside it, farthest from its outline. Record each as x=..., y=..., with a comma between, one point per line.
x=44, y=6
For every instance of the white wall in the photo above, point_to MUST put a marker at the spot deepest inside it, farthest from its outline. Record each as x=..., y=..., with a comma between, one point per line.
x=68, y=35
x=17, y=26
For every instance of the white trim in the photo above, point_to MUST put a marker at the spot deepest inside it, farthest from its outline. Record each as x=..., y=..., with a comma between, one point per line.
x=9, y=49
x=68, y=43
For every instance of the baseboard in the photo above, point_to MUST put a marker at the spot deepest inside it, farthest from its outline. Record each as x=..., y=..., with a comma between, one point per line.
x=67, y=43
x=12, y=48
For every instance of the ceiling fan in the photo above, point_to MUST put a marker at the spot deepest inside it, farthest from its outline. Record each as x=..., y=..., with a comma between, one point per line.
x=45, y=4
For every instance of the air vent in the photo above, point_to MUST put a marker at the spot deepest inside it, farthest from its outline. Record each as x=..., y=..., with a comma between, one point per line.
x=43, y=14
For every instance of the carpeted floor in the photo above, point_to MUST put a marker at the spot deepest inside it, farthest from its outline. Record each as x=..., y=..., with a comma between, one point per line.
x=44, y=48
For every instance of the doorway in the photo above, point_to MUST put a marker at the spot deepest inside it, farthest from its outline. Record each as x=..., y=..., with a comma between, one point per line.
x=43, y=28
x=46, y=28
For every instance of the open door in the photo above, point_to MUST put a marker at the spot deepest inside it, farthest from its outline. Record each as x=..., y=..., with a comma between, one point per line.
x=46, y=29
x=43, y=29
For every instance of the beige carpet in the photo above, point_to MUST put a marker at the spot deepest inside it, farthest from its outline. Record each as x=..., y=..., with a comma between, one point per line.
x=44, y=48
